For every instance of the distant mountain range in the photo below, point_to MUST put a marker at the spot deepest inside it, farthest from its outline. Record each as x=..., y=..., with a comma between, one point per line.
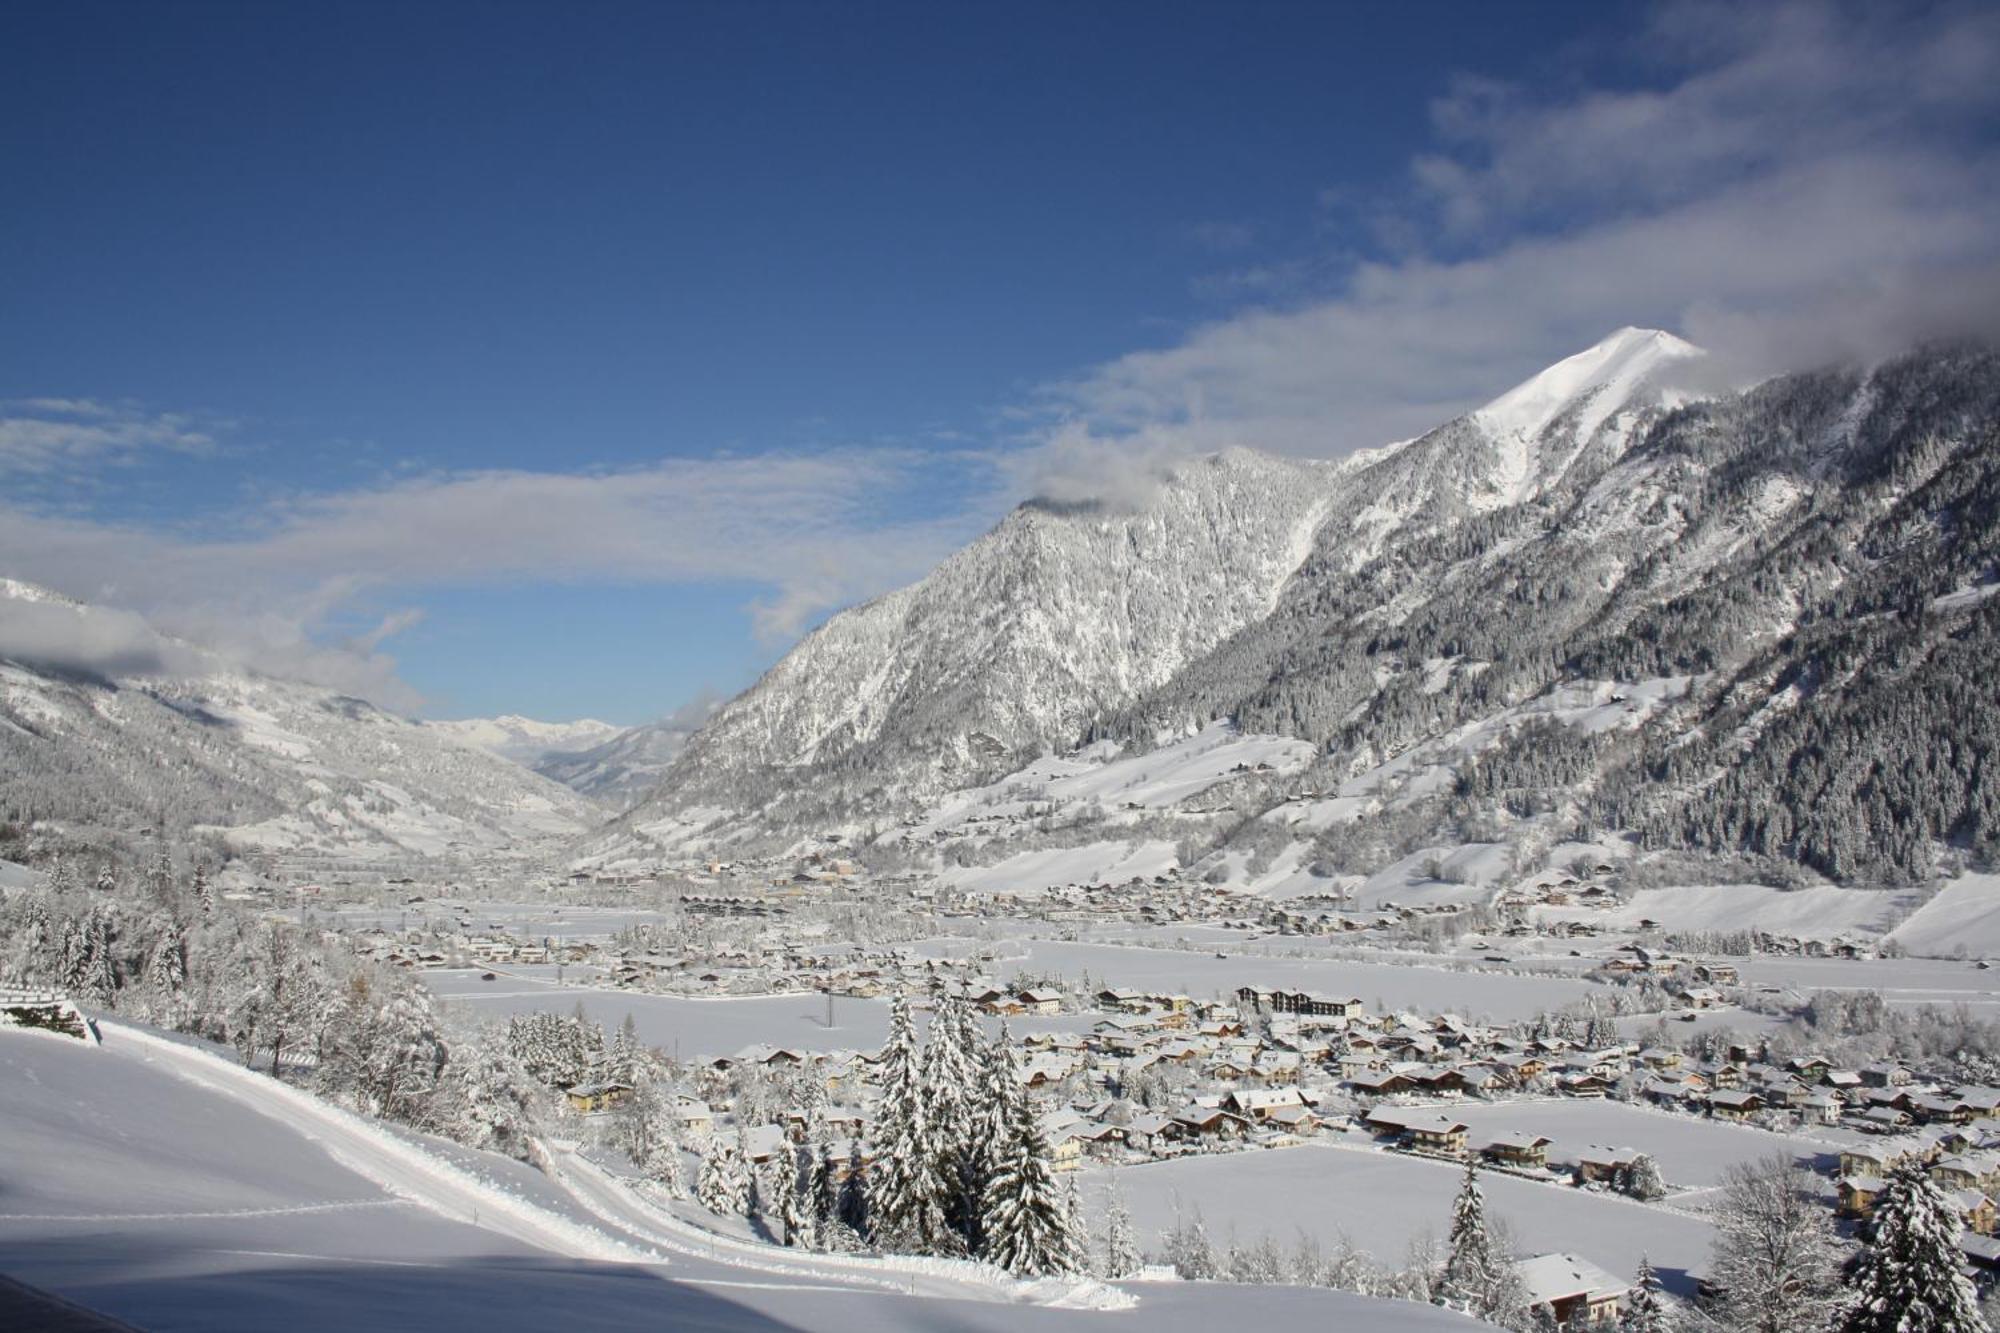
x=523, y=739
x=153, y=733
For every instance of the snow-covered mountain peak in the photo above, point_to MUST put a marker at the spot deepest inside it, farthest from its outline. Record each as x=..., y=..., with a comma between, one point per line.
x=1610, y=374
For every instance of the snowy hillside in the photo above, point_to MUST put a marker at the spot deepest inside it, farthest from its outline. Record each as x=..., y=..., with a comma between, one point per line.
x=157, y=1183
x=1013, y=646
x=263, y=765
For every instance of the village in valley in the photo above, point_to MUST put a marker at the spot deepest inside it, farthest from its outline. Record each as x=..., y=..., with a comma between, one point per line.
x=1601, y=1075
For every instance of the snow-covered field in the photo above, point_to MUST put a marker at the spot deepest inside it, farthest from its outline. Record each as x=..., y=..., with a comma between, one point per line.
x=1692, y=1153
x=167, y=1187
x=1816, y=913
x=1962, y=921
x=1907, y=981
x=1499, y=995
x=1384, y=1201
x=688, y=1028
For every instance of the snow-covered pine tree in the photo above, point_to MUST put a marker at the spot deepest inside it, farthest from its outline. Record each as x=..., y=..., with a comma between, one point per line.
x=1026, y=1220
x=166, y=961
x=719, y=1186
x=947, y=1076
x=824, y=1194
x=986, y=1124
x=1467, y=1278
x=784, y=1207
x=100, y=978
x=906, y=1203
x=754, y=1203
x=622, y=1059
x=1910, y=1279
x=1645, y=1309
x=855, y=1195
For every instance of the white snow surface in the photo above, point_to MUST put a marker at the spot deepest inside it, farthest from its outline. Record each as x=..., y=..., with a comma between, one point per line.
x=1963, y=919
x=1821, y=913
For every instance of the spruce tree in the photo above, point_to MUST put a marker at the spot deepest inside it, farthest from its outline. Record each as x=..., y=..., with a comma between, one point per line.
x=720, y=1187
x=1469, y=1266
x=854, y=1196
x=947, y=1077
x=1646, y=1309
x=1027, y=1221
x=907, y=1207
x=1909, y=1280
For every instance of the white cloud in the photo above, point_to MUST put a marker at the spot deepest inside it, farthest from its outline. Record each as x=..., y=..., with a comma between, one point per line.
x=819, y=530
x=98, y=640
x=65, y=437
x=1807, y=183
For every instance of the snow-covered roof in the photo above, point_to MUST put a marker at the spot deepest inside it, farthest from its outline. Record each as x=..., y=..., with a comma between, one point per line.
x=1555, y=1277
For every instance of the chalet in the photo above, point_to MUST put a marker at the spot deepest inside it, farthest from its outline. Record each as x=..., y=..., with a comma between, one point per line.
x=1120, y=1000
x=1857, y=1195
x=1039, y=1000
x=1294, y=1120
x=1732, y=1104
x=590, y=1098
x=1886, y=1075
x=1425, y=1131
x=1583, y=1085
x=1211, y=1123
x=1699, y=997
x=1572, y=1293
x=1876, y=1160
x=1262, y=1103
x=1379, y=1082
x=1602, y=1166
x=1968, y=1171
x=694, y=1117
x=1517, y=1148
x=1153, y=1133
x=1883, y=1120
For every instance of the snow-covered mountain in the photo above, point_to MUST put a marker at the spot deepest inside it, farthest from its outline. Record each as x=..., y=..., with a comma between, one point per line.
x=524, y=739
x=1580, y=604
x=1016, y=644
x=108, y=728
x=1063, y=616
x=620, y=769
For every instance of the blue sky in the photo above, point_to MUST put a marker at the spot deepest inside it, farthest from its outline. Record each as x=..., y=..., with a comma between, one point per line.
x=572, y=359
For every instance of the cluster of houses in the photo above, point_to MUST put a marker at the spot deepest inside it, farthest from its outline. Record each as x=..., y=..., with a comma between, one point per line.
x=1963, y=1158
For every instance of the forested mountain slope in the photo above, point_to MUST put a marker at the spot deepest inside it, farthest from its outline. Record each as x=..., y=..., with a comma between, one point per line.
x=1817, y=554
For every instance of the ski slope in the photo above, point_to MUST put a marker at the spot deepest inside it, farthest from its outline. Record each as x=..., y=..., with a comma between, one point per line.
x=165, y=1185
